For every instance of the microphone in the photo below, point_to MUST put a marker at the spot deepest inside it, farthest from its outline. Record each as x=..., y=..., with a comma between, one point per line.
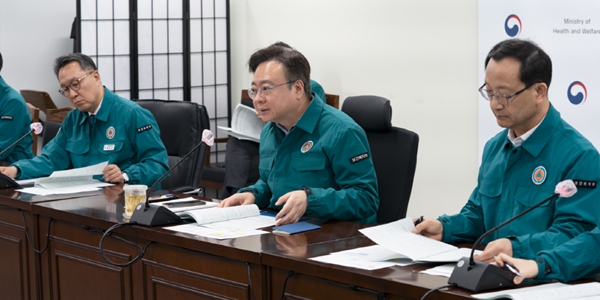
x=35, y=127
x=477, y=275
x=5, y=181
x=158, y=215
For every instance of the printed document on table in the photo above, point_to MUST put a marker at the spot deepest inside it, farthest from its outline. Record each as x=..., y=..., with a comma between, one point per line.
x=69, y=181
x=219, y=234
x=550, y=291
x=397, y=236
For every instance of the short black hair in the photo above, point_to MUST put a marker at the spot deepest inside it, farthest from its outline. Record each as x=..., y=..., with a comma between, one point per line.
x=296, y=66
x=1, y=61
x=536, y=65
x=85, y=62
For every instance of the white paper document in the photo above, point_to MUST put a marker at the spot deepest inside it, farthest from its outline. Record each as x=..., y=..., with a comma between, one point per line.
x=220, y=234
x=232, y=218
x=345, y=261
x=397, y=237
x=550, y=291
x=245, y=125
x=202, y=205
x=69, y=181
x=443, y=270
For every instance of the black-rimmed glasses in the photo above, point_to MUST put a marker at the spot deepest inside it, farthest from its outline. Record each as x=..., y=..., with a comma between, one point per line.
x=75, y=85
x=501, y=98
x=265, y=90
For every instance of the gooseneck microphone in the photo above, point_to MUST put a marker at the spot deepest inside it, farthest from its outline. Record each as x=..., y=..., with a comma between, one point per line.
x=157, y=215
x=477, y=275
x=35, y=127
x=5, y=181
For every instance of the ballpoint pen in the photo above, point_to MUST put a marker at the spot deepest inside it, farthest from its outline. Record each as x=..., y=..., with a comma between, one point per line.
x=418, y=220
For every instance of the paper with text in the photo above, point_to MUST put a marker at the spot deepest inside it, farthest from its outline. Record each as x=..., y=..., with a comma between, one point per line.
x=397, y=236
x=245, y=125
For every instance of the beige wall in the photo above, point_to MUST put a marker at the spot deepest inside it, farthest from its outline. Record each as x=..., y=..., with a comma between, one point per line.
x=421, y=54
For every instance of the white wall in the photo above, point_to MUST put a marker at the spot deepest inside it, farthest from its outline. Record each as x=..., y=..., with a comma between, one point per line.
x=32, y=34
x=421, y=54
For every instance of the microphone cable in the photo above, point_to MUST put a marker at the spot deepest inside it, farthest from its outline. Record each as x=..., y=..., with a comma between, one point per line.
x=437, y=289
x=27, y=234
x=109, y=232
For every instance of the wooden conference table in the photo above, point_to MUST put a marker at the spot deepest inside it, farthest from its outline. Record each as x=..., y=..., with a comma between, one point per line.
x=178, y=265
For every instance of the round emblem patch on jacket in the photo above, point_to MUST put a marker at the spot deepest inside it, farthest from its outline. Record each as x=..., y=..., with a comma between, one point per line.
x=110, y=133
x=539, y=175
x=306, y=147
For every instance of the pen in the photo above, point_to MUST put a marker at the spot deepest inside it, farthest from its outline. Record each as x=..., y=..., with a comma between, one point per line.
x=418, y=220
x=512, y=269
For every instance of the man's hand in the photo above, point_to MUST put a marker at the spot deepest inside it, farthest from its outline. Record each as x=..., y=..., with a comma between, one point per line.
x=113, y=174
x=9, y=171
x=430, y=228
x=238, y=199
x=495, y=248
x=527, y=268
x=294, y=206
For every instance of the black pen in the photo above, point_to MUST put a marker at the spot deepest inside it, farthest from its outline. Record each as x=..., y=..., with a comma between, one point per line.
x=418, y=220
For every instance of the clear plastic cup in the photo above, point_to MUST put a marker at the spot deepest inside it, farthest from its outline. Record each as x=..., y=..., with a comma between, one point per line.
x=134, y=195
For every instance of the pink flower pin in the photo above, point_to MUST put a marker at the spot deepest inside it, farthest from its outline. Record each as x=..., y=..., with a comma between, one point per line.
x=36, y=127
x=208, y=137
x=565, y=189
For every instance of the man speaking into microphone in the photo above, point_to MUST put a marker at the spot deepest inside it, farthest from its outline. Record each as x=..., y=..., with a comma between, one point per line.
x=522, y=164
x=104, y=127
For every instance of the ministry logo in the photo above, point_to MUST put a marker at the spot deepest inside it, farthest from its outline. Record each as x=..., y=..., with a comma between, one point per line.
x=515, y=26
x=581, y=93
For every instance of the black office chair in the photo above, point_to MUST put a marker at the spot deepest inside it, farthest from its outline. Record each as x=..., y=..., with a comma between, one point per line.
x=394, y=152
x=51, y=129
x=181, y=124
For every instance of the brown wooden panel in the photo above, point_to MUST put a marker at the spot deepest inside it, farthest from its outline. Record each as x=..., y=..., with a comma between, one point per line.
x=80, y=278
x=14, y=282
x=197, y=275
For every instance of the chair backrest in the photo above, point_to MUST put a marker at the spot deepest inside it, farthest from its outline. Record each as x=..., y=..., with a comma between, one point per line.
x=181, y=124
x=39, y=99
x=333, y=100
x=394, y=152
x=50, y=131
x=35, y=117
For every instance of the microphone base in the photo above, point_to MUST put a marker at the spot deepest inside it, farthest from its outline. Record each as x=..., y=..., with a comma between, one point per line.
x=154, y=215
x=479, y=277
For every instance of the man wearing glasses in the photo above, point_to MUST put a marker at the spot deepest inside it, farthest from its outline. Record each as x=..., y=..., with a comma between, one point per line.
x=104, y=127
x=314, y=159
x=14, y=123
x=522, y=164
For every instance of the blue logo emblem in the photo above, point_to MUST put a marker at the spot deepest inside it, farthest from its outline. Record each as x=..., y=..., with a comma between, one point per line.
x=539, y=175
x=515, y=29
x=580, y=97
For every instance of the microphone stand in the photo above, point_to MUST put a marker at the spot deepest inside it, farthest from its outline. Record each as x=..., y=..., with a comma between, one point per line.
x=13, y=144
x=158, y=215
x=477, y=275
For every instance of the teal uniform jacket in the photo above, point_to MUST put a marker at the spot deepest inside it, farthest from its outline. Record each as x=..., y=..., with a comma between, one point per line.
x=512, y=179
x=122, y=133
x=14, y=123
x=327, y=152
x=317, y=89
x=575, y=259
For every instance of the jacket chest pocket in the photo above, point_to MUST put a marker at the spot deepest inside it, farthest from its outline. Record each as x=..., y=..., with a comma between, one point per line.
x=311, y=170
x=77, y=147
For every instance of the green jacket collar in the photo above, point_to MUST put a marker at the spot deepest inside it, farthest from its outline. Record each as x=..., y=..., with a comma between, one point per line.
x=540, y=137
